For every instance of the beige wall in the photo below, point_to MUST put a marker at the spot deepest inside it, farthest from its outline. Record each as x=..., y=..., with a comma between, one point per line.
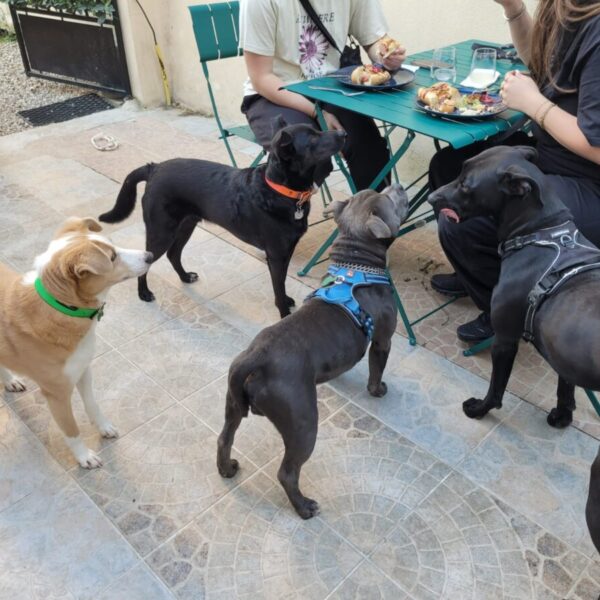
x=419, y=24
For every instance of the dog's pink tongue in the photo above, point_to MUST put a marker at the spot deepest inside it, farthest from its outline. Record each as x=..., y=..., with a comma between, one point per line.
x=451, y=214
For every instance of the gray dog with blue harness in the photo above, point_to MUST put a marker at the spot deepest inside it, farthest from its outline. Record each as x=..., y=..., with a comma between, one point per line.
x=276, y=376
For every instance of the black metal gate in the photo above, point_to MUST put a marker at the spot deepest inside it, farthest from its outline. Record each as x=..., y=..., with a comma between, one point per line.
x=73, y=49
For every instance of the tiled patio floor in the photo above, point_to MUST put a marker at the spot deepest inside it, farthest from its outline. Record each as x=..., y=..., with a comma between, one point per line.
x=416, y=500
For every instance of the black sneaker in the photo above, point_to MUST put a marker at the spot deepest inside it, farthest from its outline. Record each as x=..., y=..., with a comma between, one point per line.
x=448, y=284
x=477, y=330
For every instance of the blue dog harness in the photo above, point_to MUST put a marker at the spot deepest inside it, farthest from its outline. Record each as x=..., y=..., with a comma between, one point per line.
x=571, y=257
x=338, y=288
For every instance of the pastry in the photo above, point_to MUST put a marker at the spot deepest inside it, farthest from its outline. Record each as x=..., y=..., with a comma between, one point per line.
x=370, y=75
x=435, y=95
x=388, y=46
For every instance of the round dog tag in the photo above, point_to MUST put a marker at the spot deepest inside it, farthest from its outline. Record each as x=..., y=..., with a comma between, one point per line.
x=299, y=213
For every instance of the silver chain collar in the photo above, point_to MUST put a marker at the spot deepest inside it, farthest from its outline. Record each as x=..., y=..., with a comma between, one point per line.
x=363, y=268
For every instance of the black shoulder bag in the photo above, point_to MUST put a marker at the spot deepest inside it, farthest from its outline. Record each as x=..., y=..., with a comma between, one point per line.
x=350, y=55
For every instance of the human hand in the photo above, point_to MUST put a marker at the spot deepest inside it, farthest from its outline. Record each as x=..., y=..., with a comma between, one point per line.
x=520, y=92
x=394, y=60
x=332, y=122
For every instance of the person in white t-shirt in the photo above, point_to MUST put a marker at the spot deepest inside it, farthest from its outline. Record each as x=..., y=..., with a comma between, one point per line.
x=282, y=45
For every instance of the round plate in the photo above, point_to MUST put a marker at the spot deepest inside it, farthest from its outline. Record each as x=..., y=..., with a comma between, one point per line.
x=498, y=108
x=399, y=79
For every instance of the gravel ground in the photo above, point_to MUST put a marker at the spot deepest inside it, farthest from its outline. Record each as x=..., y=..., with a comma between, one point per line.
x=19, y=92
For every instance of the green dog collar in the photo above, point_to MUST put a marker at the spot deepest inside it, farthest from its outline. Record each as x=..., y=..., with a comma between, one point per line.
x=71, y=311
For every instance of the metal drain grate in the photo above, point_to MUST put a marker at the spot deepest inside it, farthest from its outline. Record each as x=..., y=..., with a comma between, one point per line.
x=65, y=110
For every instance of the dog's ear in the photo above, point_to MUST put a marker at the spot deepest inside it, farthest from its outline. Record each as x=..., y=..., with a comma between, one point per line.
x=278, y=123
x=527, y=152
x=282, y=145
x=336, y=208
x=378, y=227
x=516, y=181
x=92, y=260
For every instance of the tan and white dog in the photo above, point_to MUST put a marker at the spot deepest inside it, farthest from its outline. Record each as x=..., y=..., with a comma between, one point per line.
x=48, y=319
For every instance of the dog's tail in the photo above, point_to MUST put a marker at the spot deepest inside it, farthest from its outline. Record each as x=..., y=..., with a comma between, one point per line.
x=241, y=369
x=126, y=198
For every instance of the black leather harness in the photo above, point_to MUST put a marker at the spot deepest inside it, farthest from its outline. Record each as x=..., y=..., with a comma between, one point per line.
x=573, y=255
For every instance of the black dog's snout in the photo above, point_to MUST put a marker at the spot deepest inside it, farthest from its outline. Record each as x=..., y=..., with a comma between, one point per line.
x=434, y=197
x=148, y=258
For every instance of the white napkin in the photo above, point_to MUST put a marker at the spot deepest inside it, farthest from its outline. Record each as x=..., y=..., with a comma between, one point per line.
x=412, y=68
x=469, y=84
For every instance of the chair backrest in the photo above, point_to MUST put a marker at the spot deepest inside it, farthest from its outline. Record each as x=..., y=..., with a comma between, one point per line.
x=216, y=28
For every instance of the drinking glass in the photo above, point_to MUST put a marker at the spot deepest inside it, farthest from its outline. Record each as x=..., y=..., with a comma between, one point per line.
x=443, y=65
x=483, y=67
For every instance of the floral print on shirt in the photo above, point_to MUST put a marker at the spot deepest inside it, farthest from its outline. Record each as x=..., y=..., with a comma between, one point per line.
x=313, y=49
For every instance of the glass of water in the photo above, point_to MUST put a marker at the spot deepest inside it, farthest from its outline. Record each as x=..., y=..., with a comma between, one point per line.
x=483, y=67
x=443, y=65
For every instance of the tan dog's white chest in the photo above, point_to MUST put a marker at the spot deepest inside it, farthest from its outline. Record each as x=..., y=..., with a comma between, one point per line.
x=80, y=360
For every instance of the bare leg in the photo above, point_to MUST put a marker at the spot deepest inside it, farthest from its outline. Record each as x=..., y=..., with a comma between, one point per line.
x=86, y=391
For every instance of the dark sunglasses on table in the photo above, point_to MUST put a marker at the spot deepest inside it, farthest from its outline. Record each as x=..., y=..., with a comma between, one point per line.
x=506, y=52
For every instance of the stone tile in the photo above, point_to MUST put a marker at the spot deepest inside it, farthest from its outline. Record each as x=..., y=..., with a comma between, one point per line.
x=58, y=545
x=25, y=466
x=364, y=476
x=461, y=543
x=157, y=479
x=367, y=582
x=139, y=583
x=187, y=353
x=126, y=316
x=60, y=183
x=256, y=437
x=538, y=470
x=251, y=306
x=588, y=586
x=250, y=545
x=125, y=394
x=424, y=403
x=23, y=242
x=220, y=267
x=18, y=207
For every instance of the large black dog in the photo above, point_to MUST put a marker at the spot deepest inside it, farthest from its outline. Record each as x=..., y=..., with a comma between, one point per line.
x=277, y=375
x=539, y=245
x=592, y=509
x=266, y=206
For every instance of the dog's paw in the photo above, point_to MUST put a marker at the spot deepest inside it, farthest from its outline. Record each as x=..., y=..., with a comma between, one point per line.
x=378, y=390
x=146, y=296
x=107, y=429
x=290, y=302
x=189, y=277
x=229, y=470
x=560, y=418
x=88, y=459
x=14, y=385
x=308, y=508
x=474, y=408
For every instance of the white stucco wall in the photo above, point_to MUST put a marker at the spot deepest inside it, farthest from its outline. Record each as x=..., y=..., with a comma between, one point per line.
x=418, y=24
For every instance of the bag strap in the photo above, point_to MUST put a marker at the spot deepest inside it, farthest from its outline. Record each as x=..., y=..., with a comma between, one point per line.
x=317, y=21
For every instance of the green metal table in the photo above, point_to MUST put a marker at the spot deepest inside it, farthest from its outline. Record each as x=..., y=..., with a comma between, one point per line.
x=397, y=109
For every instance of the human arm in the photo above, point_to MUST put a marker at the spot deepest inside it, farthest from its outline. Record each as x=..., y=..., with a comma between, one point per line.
x=521, y=26
x=520, y=92
x=268, y=85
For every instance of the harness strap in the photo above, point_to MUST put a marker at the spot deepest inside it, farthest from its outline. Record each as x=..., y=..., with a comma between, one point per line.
x=338, y=289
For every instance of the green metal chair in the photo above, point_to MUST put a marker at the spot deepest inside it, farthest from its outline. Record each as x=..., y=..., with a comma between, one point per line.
x=217, y=37
x=483, y=345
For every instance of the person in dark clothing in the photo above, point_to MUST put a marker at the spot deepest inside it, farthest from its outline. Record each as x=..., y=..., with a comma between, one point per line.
x=561, y=46
x=283, y=45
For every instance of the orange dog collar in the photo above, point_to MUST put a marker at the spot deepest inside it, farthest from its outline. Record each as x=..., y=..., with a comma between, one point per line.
x=301, y=197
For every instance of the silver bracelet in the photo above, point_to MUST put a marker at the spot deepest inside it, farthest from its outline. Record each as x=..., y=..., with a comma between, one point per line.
x=521, y=12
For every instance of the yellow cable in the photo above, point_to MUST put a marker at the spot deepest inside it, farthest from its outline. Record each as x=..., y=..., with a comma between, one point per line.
x=163, y=73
